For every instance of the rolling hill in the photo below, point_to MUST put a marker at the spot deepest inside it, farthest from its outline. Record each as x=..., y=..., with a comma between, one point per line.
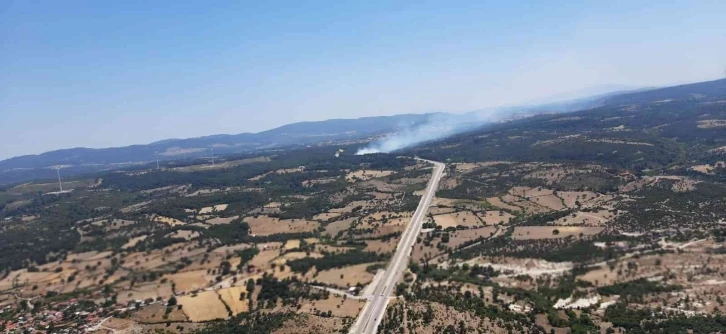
x=85, y=160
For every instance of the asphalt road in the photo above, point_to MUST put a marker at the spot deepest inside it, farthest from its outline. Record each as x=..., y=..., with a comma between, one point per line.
x=372, y=313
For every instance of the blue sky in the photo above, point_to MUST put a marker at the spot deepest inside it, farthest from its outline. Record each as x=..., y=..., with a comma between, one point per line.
x=114, y=73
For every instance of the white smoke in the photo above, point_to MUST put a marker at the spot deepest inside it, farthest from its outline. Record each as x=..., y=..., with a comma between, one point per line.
x=443, y=125
x=438, y=126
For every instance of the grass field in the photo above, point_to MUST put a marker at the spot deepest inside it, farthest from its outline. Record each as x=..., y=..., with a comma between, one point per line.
x=205, y=306
x=189, y=280
x=168, y=221
x=346, y=276
x=231, y=297
x=461, y=218
x=367, y=174
x=548, y=232
x=264, y=225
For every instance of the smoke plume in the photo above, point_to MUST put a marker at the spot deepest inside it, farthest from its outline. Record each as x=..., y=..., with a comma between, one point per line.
x=437, y=126
x=442, y=125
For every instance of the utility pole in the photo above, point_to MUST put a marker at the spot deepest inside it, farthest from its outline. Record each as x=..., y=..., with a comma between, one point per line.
x=157, y=160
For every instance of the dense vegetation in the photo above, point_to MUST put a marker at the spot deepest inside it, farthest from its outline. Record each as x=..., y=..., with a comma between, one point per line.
x=247, y=323
x=334, y=261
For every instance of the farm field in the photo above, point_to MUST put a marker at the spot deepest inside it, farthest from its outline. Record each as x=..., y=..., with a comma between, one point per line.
x=204, y=306
x=264, y=225
x=345, y=277
x=550, y=232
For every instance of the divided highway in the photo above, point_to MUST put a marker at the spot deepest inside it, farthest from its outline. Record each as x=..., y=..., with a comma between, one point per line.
x=372, y=313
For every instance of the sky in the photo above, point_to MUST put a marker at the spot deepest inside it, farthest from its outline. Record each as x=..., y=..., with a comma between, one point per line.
x=114, y=73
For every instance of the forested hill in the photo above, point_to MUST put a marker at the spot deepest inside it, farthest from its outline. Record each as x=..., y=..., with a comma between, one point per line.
x=84, y=160
x=639, y=131
x=701, y=91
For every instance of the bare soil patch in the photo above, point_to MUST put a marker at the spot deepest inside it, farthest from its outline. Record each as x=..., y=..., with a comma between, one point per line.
x=379, y=246
x=154, y=313
x=363, y=175
x=264, y=225
x=189, y=280
x=133, y=241
x=326, y=216
x=711, y=123
x=337, y=306
x=549, y=201
x=718, y=150
x=296, y=256
x=292, y=244
x=118, y=324
x=499, y=203
x=461, y=218
x=231, y=297
x=460, y=237
x=145, y=291
x=522, y=266
x=183, y=234
x=495, y=217
x=263, y=260
x=213, y=209
x=333, y=228
x=708, y=169
x=435, y=210
x=346, y=276
x=571, y=198
x=204, y=306
x=324, y=180
x=526, y=205
x=220, y=220
x=581, y=218
x=168, y=221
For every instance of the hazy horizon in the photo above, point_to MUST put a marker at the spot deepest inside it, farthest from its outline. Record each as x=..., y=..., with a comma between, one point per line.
x=115, y=74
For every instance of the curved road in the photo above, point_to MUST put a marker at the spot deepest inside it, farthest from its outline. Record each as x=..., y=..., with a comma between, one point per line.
x=372, y=313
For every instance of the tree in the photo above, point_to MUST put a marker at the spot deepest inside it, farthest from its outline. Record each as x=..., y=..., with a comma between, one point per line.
x=172, y=301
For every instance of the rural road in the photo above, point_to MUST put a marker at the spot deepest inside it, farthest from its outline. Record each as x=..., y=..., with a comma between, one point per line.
x=372, y=313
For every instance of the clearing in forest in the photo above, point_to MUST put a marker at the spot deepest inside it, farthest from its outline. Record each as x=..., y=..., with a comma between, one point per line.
x=461, y=218
x=346, y=276
x=552, y=232
x=168, y=221
x=363, y=175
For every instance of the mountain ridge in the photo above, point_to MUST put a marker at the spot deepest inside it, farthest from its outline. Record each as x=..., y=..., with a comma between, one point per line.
x=84, y=160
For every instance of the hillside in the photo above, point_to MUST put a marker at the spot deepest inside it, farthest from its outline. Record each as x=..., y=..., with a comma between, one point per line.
x=86, y=160
x=609, y=220
x=77, y=161
x=639, y=131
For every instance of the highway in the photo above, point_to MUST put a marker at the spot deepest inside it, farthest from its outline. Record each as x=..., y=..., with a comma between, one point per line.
x=372, y=313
